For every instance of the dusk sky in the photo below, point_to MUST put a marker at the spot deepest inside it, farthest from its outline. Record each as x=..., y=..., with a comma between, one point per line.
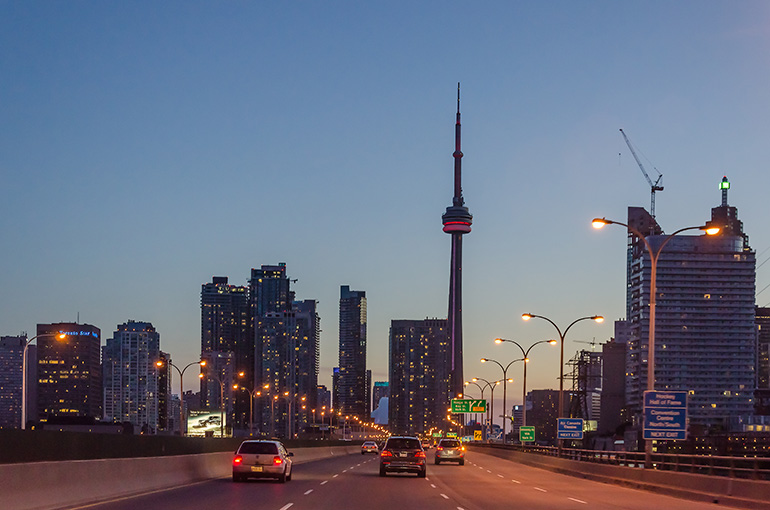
x=148, y=146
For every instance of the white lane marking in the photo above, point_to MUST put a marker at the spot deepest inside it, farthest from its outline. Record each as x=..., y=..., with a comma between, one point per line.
x=577, y=501
x=539, y=489
x=501, y=476
x=308, y=492
x=444, y=496
x=515, y=481
x=460, y=508
x=432, y=485
x=324, y=482
x=335, y=476
x=488, y=471
x=285, y=507
x=344, y=470
x=124, y=498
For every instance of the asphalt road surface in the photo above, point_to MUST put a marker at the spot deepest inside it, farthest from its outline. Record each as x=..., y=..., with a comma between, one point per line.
x=352, y=482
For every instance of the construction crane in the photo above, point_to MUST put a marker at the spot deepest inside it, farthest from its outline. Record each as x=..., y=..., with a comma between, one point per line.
x=654, y=186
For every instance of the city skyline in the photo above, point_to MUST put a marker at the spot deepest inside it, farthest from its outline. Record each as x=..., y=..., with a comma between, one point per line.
x=143, y=156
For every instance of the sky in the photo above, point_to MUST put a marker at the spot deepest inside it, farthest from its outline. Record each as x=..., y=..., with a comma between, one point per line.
x=146, y=147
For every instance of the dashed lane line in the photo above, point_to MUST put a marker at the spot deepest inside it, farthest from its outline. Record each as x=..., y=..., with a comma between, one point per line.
x=444, y=496
x=578, y=501
x=324, y=482
x=501, y=476
x=335, y=476
x=308, y=492
x=286, y=507
x=433, y=485
x=539, y=489
x=515, y=481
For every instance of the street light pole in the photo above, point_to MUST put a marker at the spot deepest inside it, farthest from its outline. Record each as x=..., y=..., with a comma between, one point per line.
x=467, y=383
x=525, y=353
x=58, y=336
x=596, y=318
x=181, y=388
x=505, y=386
x=654, y=255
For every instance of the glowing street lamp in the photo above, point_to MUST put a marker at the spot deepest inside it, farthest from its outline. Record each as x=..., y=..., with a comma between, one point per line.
x=709, y=229
x=59, y=336
x=505, y=386
x=595, y=318
x=524, y=353
x=159, y=364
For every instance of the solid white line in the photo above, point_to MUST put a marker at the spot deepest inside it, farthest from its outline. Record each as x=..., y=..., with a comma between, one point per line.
x=577, y=501
x=515, y=481
x=308, y=492
x=444, y=496
x=539, y=489
x=324, y=482
x=284, y=507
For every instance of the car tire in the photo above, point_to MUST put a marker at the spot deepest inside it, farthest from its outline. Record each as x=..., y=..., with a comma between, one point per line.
x=423, y=473
x=383, y=472
x=462, y=462
x=288, y=477
x=282, y=478
x=236, y=478
x=437, y=462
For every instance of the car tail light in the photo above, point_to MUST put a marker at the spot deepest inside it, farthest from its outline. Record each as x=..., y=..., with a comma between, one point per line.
x=439, y=448
x=420, y=454
x=386, y=453
x=277, y=460
x=237, y=460
x=462, y=448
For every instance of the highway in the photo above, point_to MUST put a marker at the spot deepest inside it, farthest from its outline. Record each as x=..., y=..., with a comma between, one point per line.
x=353, y=482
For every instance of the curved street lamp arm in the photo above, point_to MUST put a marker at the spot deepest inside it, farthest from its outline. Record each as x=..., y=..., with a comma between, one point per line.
x=526, y=354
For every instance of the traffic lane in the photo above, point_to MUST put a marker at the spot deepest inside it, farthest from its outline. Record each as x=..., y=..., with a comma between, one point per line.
x=223, y=493
x=492, y=482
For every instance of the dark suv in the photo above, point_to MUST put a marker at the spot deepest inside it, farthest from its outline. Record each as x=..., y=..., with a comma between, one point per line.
x=403, y=454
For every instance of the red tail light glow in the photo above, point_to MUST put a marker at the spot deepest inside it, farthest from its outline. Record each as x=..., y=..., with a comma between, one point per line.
x=277, y=460
x=237, y=460
x=420, y=454
x=386, y=453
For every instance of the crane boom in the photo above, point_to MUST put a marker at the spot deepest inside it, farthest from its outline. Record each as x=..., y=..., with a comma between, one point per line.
x=654, y=186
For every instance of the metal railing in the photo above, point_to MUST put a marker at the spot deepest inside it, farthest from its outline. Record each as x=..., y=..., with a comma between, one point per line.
x=752, y=468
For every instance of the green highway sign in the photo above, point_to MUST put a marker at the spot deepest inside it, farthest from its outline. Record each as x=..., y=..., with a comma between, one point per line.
x=526, y=433
x=468, y=406
x=451, y=434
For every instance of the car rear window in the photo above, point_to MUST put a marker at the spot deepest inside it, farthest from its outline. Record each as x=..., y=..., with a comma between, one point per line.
x=451, y=443
x=404, y=443
x=258, y=448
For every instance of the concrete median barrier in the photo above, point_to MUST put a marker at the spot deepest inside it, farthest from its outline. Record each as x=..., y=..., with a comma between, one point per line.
x=51, y=485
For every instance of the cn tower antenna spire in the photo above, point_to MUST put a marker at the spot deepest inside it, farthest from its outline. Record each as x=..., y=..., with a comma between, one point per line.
x=457, y=222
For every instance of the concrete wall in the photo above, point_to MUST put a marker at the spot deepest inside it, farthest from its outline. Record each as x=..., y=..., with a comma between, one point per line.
x=751, y=494
x=50, y=485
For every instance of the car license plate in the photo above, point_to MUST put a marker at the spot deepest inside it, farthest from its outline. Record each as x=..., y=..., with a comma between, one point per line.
x=257, y=469
x=403, y=454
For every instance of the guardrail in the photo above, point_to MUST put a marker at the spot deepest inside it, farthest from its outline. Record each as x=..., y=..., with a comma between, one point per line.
x=732, y=481
x=751, y=468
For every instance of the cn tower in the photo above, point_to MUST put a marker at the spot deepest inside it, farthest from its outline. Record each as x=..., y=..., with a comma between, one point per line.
x=457, y=221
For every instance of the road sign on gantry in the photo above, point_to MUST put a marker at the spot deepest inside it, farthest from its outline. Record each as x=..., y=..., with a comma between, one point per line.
x=468, y=406
x=665, y=415
x=570, y=428
x=526, y=433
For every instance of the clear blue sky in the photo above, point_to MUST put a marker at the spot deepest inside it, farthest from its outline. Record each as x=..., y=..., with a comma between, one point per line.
x=145, y=147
